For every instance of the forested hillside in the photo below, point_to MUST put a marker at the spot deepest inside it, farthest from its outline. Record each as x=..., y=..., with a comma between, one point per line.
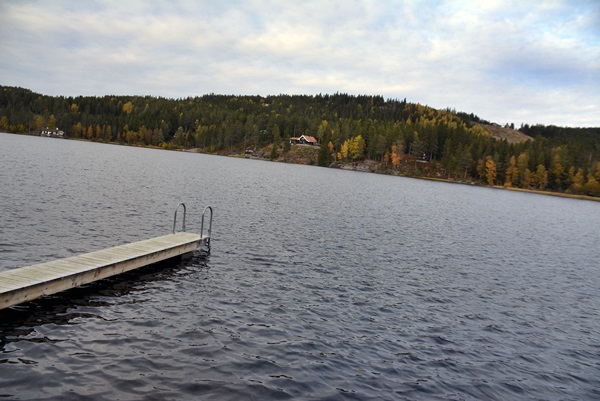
x=390, y=136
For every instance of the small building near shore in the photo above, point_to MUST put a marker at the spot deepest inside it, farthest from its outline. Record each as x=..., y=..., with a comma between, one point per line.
x=54, y=133
x=304, y=140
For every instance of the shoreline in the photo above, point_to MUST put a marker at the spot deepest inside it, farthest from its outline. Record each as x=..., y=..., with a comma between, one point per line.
x=501, y=187
x=475, y=184
x=449, y=181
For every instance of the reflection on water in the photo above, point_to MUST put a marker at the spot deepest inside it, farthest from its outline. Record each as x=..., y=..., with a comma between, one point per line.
x=322, y=284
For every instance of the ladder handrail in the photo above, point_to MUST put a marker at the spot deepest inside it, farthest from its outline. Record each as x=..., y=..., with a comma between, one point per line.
x=209, y=224
x=175, y=218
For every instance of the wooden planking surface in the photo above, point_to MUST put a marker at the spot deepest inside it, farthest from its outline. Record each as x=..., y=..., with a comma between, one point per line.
x=31, y=282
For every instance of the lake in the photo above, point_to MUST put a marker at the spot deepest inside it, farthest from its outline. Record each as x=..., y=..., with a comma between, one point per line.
x=322, y=284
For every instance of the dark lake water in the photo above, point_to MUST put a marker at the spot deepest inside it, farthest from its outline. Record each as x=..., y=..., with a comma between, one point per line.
x=322, y=284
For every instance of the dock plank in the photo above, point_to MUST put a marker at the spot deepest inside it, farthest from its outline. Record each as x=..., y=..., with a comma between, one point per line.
x=30, y=282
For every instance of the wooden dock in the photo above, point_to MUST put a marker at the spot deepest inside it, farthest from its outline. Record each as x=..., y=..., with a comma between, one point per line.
x=27, y=283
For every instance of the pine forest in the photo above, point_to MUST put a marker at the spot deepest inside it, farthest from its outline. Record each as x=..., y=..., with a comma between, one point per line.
x=354, y=132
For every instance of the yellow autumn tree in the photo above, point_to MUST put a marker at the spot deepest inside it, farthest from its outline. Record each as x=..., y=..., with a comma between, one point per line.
x=577, y=180
x=490, y=170
x=322, y=131
x=386, y=158
x=343, y=153
x=541, y=177
x=77, y=130
x=98, y=133
x=128, y=108
x=512, y=173
x=395, y=156
x=352, y=149
x=51, y=121
x=4, y=124
x=356, y=148
x=90, y=132
x=38, y=122
x=522, y=163
x=592, y=186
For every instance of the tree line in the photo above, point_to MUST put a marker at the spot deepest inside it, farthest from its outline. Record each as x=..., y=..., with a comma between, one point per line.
x=396, y=136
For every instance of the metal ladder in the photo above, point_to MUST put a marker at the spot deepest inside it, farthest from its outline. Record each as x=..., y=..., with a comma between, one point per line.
x=204, y=239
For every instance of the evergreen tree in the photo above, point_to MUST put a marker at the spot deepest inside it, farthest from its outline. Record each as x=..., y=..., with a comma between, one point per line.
x=324, y=157
x=569, y=156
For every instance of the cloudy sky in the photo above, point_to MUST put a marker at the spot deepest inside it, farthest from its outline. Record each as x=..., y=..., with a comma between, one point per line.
x=522, y=61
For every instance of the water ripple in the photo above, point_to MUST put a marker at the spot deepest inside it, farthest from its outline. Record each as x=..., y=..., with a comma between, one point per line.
x=322, y=284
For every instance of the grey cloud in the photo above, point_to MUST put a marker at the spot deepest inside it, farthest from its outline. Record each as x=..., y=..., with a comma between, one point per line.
x=506, y=61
